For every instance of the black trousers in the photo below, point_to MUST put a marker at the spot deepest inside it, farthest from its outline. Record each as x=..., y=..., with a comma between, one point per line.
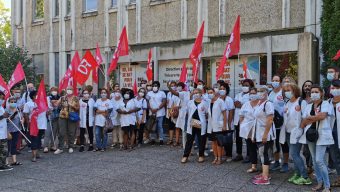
x=190, y=140
x=140, y=132
x=228, y=149
x=252, y=150
x=239, y=142
x=82, y=135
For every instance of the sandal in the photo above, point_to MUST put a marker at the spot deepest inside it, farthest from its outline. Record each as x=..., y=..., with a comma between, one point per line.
x=214, y=161
x=252, y=170
x=184, y=159
x=218, y=162
x=169, y=142
x=16, y=163
x=318, y=187
x=336, y=183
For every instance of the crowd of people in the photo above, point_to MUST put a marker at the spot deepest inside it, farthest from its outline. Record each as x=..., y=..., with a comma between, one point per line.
x=276, y=121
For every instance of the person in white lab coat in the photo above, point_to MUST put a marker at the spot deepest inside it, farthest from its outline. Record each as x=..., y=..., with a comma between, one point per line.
x=117, y=132
x=86, y=119
x=3, y=135
x=217, y=123
x=171, y=104
x=142, y=104
x=197, y=125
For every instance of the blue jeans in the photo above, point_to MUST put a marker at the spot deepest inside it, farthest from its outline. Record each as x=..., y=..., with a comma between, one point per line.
x=294, y=152
x=318, y=155
x=101, y=138
x=159, y=128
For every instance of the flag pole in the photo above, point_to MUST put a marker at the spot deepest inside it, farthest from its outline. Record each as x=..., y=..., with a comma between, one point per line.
x=26, y=83
x=19, y=130
x=19, y=113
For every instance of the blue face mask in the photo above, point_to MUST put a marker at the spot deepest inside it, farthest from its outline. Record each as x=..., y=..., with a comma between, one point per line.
x=330, y=76
x=276, y=84
x=222, y=92
x=13, y=105
x=288, y=94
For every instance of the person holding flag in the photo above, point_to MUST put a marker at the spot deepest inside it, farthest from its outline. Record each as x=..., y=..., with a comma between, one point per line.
x=3, y=135
x=68, y=119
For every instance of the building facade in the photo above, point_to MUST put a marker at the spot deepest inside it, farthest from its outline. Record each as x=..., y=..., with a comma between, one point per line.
x=277, y=36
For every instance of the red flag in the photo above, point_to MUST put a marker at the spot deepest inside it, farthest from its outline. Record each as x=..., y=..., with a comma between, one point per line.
x=121, y=50
x=99, y=60
x=41, y=106
x=233, y=47
x=195, y=55
x=4, y=88
x=68, y=78
x=149, y=73
x=17, y=76
x=245, y=70
x=135, y=89
x=87, y=64
x=184, y=72
x=337, y=56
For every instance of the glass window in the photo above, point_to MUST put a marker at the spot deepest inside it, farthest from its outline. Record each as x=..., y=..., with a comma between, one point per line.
x=38, y=7
x=38, y=64
x=90, y=5
x=113, y=3
x=285, y=64
x=68, y=59
x=68, y=7
x=56, y=8
x=56, y=68
x=132, y=2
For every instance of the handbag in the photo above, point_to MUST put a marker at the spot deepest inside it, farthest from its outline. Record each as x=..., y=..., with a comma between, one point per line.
x=312, y=134
x=196, y=123
x=150, y=123
x=73, y=116
x=9, y=136
x=224, y=138
x=174, y=112
x=108, y=127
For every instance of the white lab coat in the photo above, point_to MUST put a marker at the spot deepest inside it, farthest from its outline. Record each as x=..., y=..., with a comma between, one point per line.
x=202, y=110
x=82, y=112
x=184, y=97
x=215, y=116
x=261, y=112
x=3, y=125
x=248, y=123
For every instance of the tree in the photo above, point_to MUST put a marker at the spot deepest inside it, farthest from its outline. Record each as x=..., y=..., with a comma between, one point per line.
x=5, y=25
x=9, y=58
x=330, y=34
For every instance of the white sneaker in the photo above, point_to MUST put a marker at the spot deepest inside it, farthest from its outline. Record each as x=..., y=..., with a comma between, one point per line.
x=229, y=159
x=70, y=150
x=58, y=151
x=45, y=150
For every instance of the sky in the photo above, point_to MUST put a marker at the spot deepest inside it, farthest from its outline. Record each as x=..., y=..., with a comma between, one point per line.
x=8, y=3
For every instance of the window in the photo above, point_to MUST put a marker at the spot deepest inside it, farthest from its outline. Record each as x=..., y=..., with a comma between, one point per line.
x=68, y=59
x=90, y=5
x=132, y=2
x=68, y=7
x=56, y=68
x=113, y=3
x=56, y=8
x=285, y=64
x=38, y=9
x=38, y=64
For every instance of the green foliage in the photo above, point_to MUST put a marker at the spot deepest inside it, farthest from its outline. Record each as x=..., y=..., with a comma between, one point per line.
x=5, y=25
x=330, y=32
x=39, y=9
x=9, y=58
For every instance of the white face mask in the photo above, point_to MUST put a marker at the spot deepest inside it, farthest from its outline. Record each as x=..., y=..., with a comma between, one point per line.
x=54, y=93
x=315, y=96
x=141, y=94
x=69, y=92
x=126, y=96
x=245, y=89
x=222, y=92
x=173, y=88
x=179, y=89
x=253, y=97
x=118, y=96
x=200, y=87
x=103, y=95
x=211, y=96
x=216, y=90
x=154, y=89
x=335, y=92
x=86, y=95
x=276, y=84
x=17, y=95
x=196, y=96
x=143, y=85
x=260, y=95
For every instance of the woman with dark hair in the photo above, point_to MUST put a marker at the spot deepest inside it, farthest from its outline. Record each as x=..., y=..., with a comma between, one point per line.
x=316, y=120
x=335, y=123
x=127, y=110
x=240, y=99
x=171, y=104
x=230, y=108
x=306, y=87
x=102, y=108
x=141, y=104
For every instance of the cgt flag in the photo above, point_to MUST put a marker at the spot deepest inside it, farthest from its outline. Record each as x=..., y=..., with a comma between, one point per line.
x=41, y=106
x=99, y=60
x=68, y=78
x=86, y=65
x=149, y=73
x=4, y=87
x=184, y=72
x=121, y=50
x=233, y=47
x=337, y=56
x=135, y=88
x=17, y=76
x=196, y=53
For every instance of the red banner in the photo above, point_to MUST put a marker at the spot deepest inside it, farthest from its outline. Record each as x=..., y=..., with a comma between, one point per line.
x=86, y=65
x=17, y=76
